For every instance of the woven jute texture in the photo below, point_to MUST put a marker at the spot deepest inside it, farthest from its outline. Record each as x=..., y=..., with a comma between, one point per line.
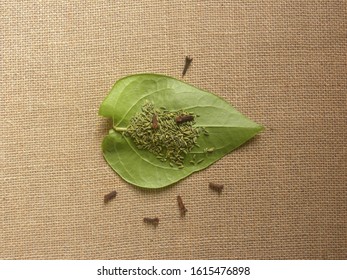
x=281, y=63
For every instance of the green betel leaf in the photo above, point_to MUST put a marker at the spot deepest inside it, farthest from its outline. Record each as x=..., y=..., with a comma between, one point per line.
x=164, y=129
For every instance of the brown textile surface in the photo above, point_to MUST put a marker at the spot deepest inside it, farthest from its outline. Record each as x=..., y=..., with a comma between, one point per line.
x=281, y=63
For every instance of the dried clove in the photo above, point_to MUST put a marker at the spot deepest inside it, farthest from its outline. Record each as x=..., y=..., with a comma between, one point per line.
x=188, y=61
x=216, y=187
x=153, y=221
x=110, y=196
x=155, y=124
x=184, y=118
x=181, y=206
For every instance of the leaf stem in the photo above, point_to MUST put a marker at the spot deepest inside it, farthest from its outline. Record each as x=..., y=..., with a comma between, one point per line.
x=119, y=128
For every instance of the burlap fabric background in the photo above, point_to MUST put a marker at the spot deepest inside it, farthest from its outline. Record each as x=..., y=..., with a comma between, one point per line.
x=282, y=63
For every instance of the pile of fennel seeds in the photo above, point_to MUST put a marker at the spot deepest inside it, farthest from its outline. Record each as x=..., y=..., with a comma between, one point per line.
x=170, y=135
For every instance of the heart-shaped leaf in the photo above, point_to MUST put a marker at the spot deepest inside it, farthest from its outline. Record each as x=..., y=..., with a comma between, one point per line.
x=223, y=128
